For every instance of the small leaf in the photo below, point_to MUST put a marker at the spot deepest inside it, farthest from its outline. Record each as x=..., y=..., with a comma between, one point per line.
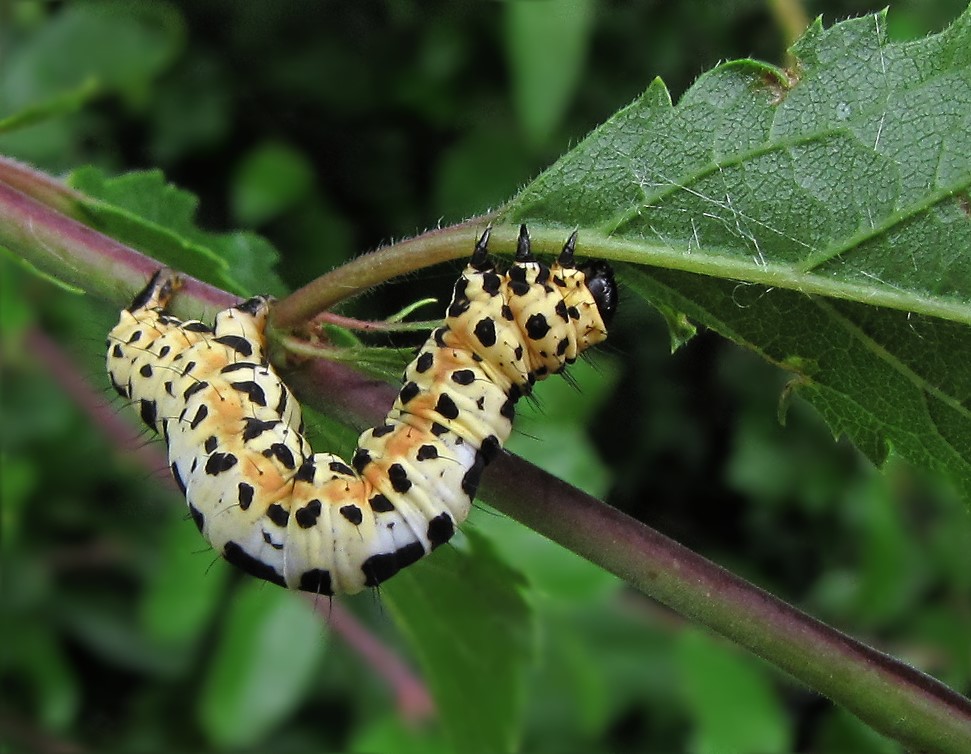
x=494, y=153
x=38, y=273
x=144, y=211
x=546, y=47
x=841, y=731
x=563, y=408
x=60, y=104
x=16, y=313
x=105, y=627
x=891, y=573
x=182, y=594
x=69, y=53
x=267, y=655
x=680, y=328
x=551, y=570
x=17, y=482
x=34, y=653
x=389, y=734
x=471, y=628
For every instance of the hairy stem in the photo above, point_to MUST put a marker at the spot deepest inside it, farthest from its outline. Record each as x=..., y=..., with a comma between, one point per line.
x=369, y=270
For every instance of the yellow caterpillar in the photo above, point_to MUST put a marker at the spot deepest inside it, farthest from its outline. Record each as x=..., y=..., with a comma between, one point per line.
x=311, y=521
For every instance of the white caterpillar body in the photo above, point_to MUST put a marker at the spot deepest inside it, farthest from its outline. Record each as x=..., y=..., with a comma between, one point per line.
x=311, y=521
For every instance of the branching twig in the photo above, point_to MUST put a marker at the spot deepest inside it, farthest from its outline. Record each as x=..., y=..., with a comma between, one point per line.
x=369, y=270
x=892, y=697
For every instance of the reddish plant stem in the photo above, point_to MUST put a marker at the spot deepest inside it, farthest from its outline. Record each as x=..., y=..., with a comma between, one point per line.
x=39, y=186
x=75, y=254
x=881, y=690
x=413, y=701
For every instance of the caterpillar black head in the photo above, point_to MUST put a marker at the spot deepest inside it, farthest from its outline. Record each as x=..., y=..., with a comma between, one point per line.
x=603, y=287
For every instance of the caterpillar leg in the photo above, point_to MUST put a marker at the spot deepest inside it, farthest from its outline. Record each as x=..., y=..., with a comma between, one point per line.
x=159, y=291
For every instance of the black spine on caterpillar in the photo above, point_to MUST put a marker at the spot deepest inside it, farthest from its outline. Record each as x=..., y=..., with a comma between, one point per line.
x=312, y=521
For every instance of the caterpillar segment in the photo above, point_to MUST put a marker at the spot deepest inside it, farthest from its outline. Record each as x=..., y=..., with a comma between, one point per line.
x=312, y=521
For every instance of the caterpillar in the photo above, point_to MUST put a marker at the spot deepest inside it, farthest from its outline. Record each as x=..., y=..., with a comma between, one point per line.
x=311, y=521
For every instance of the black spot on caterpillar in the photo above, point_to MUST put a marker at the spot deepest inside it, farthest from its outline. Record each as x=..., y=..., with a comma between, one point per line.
x=311, y=521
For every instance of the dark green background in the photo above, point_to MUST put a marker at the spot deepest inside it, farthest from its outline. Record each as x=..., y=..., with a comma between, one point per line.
x=333, y=127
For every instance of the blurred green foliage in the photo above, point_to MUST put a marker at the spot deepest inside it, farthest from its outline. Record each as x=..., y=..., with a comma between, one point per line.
x=331, y=127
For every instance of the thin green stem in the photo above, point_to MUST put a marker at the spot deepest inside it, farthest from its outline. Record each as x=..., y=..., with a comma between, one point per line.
x=866, y=291
x=790, y=17
x=351, y=355
x=367, y=325
x=369, y=270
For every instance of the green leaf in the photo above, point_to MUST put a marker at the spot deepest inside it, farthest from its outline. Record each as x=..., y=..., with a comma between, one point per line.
x=38, y=273
x=472, y=630
x=494, y=153
x=387, y=733
x=85, y=50
x=840, y=731
x=182, y=594
x=824, y=222
x=34, y=653
x=18, y=480
x=546, y=48
x=551, y=570
x=733, y=703
x=890, y=578
x=551, y=428
x=69, y=54
x=104, y=627
x=60, y=104
x=144, y=211
x=268, y=653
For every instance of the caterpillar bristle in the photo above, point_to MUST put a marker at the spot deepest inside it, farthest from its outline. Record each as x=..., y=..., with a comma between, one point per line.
x=480, y=254
x=523, y=251
x=566, y=255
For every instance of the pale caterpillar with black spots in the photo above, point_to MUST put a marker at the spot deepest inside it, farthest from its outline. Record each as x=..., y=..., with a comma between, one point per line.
x=311, y=521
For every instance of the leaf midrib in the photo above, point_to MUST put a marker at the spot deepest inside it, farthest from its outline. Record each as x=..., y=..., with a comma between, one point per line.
x=773, y=275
